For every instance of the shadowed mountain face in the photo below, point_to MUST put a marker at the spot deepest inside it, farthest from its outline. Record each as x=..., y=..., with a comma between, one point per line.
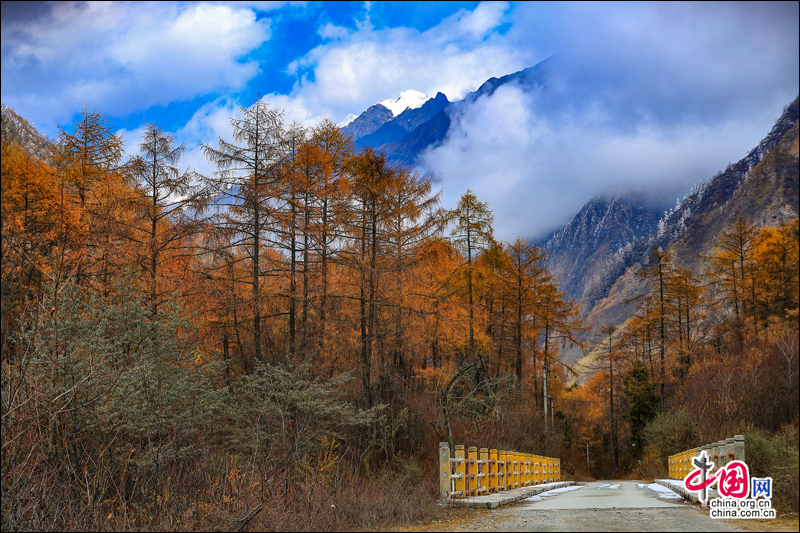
x=368, y=121
x=394, y=130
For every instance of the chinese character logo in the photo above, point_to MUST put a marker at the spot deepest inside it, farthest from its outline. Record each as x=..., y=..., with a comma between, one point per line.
x=732, y=480
x=761, y=487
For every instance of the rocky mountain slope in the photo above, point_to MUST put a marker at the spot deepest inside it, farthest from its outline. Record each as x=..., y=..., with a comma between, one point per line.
x=368, y=121
x=397, y=128
x=14, y=128
x=582, y=255
x=596, y=256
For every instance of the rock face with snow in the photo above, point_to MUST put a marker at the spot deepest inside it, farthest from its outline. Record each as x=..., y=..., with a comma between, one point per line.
x=368, y=121
x=347, y=120
x=387, y=137
x=420, y=122
x=596, y=255
x=381, y=114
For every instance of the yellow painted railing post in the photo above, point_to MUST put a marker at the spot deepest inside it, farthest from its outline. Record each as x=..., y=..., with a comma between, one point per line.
x=509, y=470
x=541, y=469
x=523, y=470
x=686, y=460
x=533, y=469
x=542, y=475
x=512, y=464
x=493, y=470
x=472, y=472
x=459, y=492
x=483, y=472
x=527, y=469
x=501, y=470
x=510, y=460
x=536, y=477
x=511, y=457
x=515, y=466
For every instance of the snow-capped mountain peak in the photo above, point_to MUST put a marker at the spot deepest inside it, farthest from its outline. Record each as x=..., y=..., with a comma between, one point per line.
x=347, y=120
x=409, y=99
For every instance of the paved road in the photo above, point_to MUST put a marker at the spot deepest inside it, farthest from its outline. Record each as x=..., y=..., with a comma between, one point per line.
x=596, y=506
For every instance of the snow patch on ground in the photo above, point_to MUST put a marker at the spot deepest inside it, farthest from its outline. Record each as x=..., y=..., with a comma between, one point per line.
x=538, y=497
x=663, y=492
x=609, y=486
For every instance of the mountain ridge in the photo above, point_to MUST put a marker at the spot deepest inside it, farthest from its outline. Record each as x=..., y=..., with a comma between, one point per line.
x=761, y=188
x=405, y=137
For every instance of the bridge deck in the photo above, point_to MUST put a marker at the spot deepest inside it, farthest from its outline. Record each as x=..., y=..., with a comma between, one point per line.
x=491, y=501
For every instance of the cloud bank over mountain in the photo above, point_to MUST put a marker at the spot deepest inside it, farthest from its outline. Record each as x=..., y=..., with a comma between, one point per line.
x=652, y=106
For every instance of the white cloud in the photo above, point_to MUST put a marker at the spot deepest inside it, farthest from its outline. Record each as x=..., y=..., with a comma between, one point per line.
x=362, y=67
x=127, y=57
x=331, y=31
x=207, y=125
x=536, y=170
x=477, y=23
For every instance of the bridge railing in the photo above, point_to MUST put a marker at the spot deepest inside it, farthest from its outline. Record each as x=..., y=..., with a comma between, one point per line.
x=719, y=453
x=474, y=472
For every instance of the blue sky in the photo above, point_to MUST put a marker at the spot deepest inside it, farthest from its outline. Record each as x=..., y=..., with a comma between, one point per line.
x=653, y=96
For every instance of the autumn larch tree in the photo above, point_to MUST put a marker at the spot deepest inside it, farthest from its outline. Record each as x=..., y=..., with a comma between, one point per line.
x=525, y=276
x=472, y=234
x=328, y=205
x=372, y=178
x=731, y=273
x=415, y=219
x=89, y=163
x=658, y=274
x=776, y=270
x=165, y=194
x=247, y=176
x=610, y=357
